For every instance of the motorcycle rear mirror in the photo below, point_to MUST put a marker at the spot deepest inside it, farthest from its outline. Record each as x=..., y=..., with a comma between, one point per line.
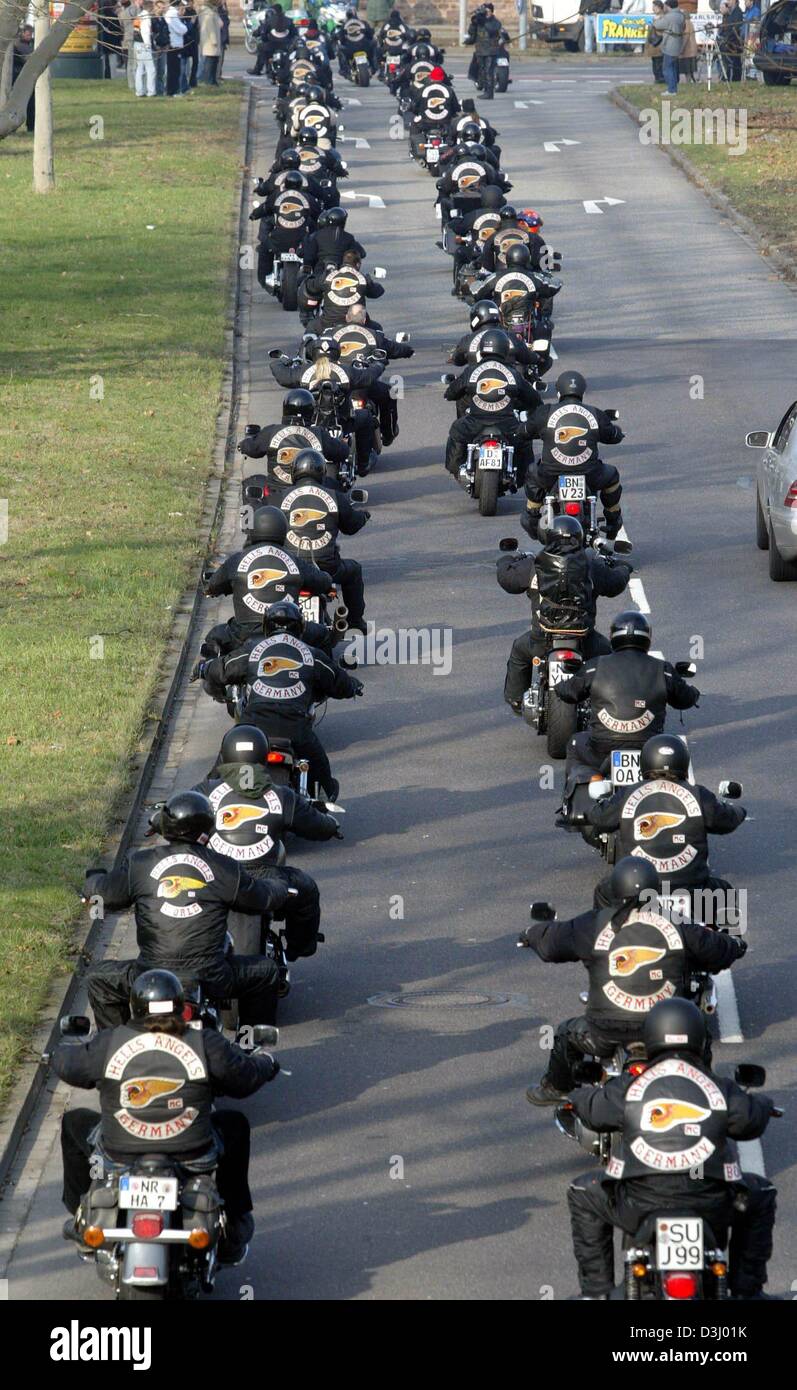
x=343, y=164
x=207, y=574
x=379, y=273
x=587, y=1073
x=623, y=547
x=599, y=789
x=379, y=354
x=265, y=1035
x=523, y=416
x=74, y=1026
x=508, y=543
x=447, y=378
x=686, y=668
x=731, y=791
x=758, y=439
x=750, y=1074
x=359, y=494
x=612, y=414
x=542, y=911
x=274, y=353
x=402, y=337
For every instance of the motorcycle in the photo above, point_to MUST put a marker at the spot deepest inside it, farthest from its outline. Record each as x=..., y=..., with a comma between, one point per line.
x=502, y=78
x=152, y=1224
x=358, y=68
x=490, y=470
x=427, y=151
x=284, y=279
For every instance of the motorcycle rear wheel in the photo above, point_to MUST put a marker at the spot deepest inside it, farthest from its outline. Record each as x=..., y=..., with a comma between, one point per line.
x=502, y=80
x=561, y=725
x=488, y=493
x=142, y=1293
x=290, y=286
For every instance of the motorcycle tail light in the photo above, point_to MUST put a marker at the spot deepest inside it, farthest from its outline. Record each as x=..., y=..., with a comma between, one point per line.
x=680, y=1285
x=93, y=1236
x=188, y=1011
x=719, y=1268
x=639, y=1270
x=304, y=593
x=275, y=757
x=636, y=1068
x=145, y=1272
x=147, y=1224
x=490, y=443
x=566, y=656
x=790, y=500
x=572, y=509
x=199, y=1238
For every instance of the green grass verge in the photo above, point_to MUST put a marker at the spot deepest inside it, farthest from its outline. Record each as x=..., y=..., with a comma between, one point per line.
x=760, y=181
x=111, y=358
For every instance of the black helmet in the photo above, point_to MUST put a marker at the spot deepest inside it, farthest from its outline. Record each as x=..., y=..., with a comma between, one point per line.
x=492, y=197
x=309, y=463
x=518, y=256
x=425, y=34
x=485, y=311
x=564, y=528
x=293, y=179
x=268, y=524
x=186, y=816
x=508, y=213
x=571, y=384
x=324, y=347
x=422, y=53
x=244, y=744
x=308, y=135
x=630, y=629
x=631, y=877
x=476, y=150
x=470, y=133
x=314, y=92
x=495, y=346
x=285, y=616
x=289, y=159
x=674, y=1025
x=333, y=217
x=665, y=755
x=157, y=993
x=298, y=404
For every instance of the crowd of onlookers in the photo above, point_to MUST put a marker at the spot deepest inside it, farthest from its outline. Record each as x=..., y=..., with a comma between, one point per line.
x=166, y=48
x=672, y=42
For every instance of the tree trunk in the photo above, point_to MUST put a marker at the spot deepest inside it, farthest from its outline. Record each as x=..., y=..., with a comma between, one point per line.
x=5, y=74
x=43, y=171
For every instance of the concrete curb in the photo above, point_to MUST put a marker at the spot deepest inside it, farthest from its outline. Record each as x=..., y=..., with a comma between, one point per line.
x=19, y=1109
x=784, y=263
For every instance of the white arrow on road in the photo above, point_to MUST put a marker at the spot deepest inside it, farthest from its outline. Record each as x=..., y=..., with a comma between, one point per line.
x=352, y=101
x=553, y=146
x=359, y=141
x=372, y=199
x=593, y=204
x=524, y=105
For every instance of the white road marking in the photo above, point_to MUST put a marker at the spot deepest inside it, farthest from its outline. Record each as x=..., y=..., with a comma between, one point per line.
x=751, y=1157
x=554, y=355
x=524, y=105
x=555, y=146
x=637, y=591
x=728, y=1009
x=592, y=205
x=372, y=199
x=358, y=141
x=352, y=101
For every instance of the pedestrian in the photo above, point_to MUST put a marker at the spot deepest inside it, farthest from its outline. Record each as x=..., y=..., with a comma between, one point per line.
x=191, y=44
x=653, y=46
x=687, y=62
x=23, y=47
x=671, y=25
x=224, y=16
x=109, y=36
x=209, y=42
x=187, y=14
x=591, y=9
x=142, y=43
x=730, y=40
x=128, y=12
x=160, y=45
x=177, y=31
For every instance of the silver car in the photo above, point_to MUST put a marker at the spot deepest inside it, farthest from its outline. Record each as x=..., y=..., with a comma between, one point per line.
x=776, y=495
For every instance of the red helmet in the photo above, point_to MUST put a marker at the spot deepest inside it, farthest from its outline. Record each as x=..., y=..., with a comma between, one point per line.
x=437, y=75
x=530, y=218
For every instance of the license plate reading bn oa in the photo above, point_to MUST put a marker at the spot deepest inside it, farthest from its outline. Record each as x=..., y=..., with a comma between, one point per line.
x=625, y=767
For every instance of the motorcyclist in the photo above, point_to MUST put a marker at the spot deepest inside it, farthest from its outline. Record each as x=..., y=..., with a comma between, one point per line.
x=658, y=1171
x=355, y=35
x=274, y=182
x=413, y=74
x=512, y=231
x=486, y=315
x=276, y=35
x=314, y=107
x=181, y=894
x=257, y=576
x=571, y=432
x=519, y=285
x=486, y=34
x=628, y=692
x=604, y=576
x=463, y=135
x=431, y=106
x=325, y=365
x=283, y=679
x=321, y=164
x=465, y=181
x=286, y=219
x=318, y=512
x=330, y=241
x=157, y=1042
x=474, y=228
x=253, y=818
x=357, y=338
x=495, y=390
x=330, y=292
x=279, y=444
x=487, y=131
x=665, y=820
x=392, y=36
x=635, y=955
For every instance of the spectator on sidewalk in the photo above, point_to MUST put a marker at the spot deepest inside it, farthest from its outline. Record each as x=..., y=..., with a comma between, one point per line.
x=593, y=8
x=23, y=47
x=145, y=59
x=160, y=45
x=653, y=45
x=189, y=58
x=687, y=63
x=109, y=36
x=730, y=40
x=128, y=12
x=173, y=57
x=224, y=15
x=209, y=42
x=671, y=25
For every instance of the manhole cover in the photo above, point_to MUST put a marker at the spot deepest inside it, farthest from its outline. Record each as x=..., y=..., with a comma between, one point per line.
x=436, y=999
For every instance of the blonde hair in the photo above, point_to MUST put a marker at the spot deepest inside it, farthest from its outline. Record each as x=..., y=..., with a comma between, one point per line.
x=322, y=371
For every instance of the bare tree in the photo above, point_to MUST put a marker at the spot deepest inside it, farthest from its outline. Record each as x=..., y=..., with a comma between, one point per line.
x=13, y=104
x=43, y=166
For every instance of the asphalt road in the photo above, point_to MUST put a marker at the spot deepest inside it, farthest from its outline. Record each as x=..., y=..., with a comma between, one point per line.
x=400, y=1160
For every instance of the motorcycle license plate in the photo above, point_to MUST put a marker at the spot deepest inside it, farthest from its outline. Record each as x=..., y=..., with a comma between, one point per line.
x=361, y=57
x=679, y=1242
x=502, y=62
x=311, y=607
x=491, y=458
x=147, y=1194
x=556, y=672
x=432, y=154
x=290, y=256
x=572, y=487
x=625, y=767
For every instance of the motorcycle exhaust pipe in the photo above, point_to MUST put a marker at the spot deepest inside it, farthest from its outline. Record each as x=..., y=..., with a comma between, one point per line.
x=341, y=623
